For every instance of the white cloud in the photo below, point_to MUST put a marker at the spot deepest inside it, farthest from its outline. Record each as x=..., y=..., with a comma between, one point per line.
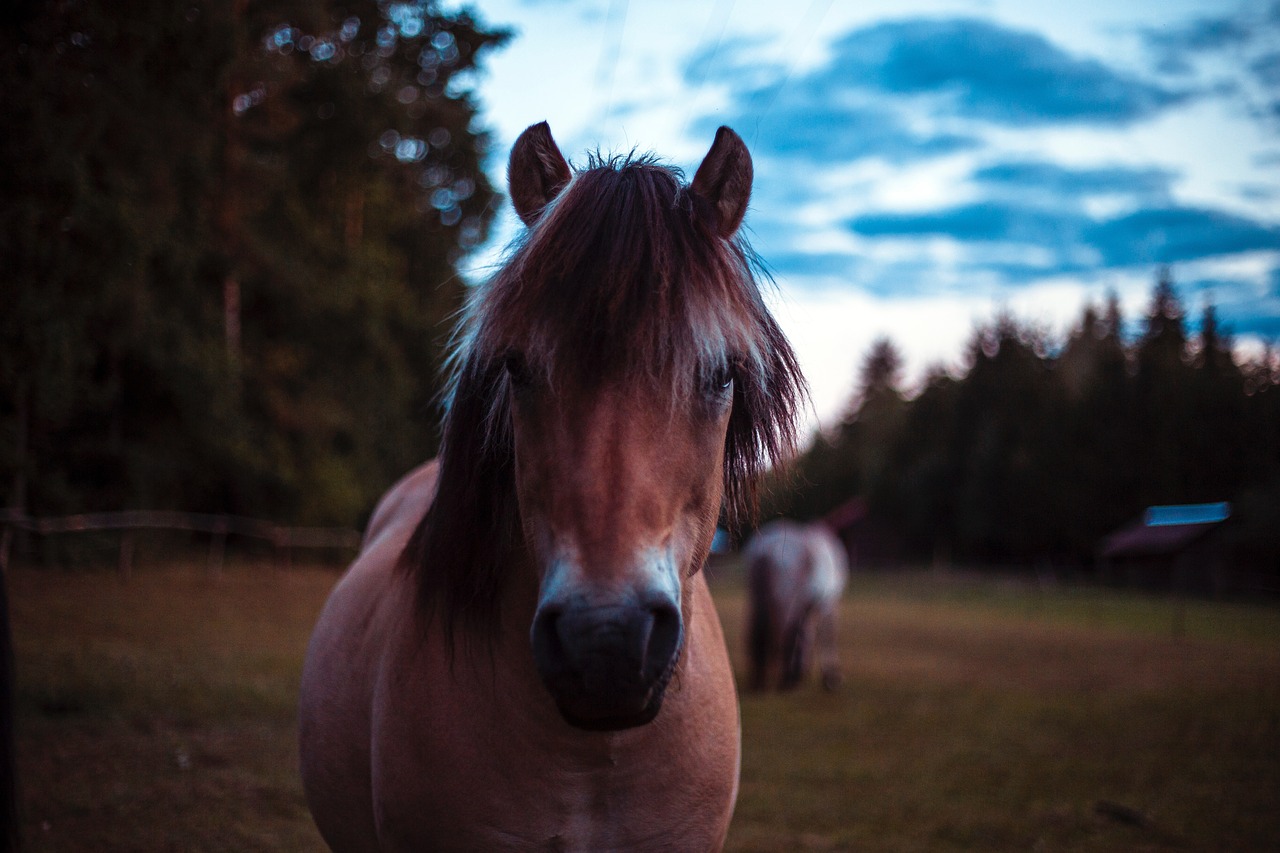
x=839, y=289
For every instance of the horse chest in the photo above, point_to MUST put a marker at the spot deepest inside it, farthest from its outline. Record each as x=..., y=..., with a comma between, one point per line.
x=489, y=795
x=478, y=769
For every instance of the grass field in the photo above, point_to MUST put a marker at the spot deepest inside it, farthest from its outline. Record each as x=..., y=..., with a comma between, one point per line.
x=157, y=715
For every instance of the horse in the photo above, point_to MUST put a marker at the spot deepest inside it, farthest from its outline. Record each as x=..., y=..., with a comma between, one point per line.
x=525, y=654
x=797, y=573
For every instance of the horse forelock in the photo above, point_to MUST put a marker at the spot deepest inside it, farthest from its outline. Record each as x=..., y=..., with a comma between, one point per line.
x=621, y=277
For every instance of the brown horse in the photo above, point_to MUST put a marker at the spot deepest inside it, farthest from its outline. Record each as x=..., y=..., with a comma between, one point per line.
x=525, y=655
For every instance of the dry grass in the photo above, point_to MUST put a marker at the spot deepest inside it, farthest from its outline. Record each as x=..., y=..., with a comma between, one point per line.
x=1005, y=721
x=157, y=715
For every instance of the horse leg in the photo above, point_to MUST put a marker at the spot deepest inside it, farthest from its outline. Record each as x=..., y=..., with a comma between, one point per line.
x=796, y=650
x=831, y=677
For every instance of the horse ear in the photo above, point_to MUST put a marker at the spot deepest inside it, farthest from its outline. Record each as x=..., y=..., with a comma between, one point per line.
x=724, y=181
x=536, y=173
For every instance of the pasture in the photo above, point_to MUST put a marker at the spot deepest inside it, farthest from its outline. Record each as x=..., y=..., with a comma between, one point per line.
x=156, y=714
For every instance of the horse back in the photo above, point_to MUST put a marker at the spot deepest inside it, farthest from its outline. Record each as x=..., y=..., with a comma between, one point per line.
x=830, y=561
x=403, y=506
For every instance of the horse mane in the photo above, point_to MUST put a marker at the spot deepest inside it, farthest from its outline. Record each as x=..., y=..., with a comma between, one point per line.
x=623, y=274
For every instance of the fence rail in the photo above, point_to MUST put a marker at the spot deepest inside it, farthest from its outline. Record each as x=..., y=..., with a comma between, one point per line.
x=219, y=527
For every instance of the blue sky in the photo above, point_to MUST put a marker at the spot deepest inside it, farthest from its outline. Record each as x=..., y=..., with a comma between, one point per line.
x=921, y=166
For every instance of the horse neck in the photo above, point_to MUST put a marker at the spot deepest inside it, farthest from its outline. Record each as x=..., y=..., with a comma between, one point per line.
x=517, y=601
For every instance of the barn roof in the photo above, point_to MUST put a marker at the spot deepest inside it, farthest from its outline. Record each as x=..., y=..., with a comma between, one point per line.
x=1164, y=530
x=847, y=513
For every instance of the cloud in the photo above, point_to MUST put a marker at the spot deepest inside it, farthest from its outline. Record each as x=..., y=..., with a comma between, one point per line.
x=822, y=130
x=1072, y=241
x=814, y=264
x=1068, y=183
x=1174, y=46
x=734, y=61
x=1242, y=44
x=916, y=89
x=1241, y=305
x=1259, y=192
x=1267, y=69
x=1171, y=234
x=801, y=119
x=1041, y=204
x=909, y=91
x=1248, y=322
x=981, y=222
x=989, y=72
x=1266, y=73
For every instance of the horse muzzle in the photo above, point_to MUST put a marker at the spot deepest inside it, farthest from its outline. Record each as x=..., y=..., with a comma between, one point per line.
x=607, y=666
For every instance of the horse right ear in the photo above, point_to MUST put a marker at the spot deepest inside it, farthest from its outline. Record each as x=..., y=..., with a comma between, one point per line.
x=724, y=181
x=536, y=173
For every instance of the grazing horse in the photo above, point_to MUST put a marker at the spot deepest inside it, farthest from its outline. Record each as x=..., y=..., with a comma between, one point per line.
x=797, y=573
x=525, y=654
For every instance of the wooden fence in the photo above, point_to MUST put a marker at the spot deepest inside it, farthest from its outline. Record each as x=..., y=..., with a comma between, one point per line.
x=219, y=527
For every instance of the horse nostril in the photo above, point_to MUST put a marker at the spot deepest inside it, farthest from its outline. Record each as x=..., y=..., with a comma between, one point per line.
x=548, y=647
x=621, y=647
x=663, y=640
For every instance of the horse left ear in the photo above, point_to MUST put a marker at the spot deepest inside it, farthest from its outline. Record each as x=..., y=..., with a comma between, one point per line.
x=536, y=173
x=724, y=181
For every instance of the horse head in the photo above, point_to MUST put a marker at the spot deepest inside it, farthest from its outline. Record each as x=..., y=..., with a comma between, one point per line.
x=618, y=475
x=619, y=382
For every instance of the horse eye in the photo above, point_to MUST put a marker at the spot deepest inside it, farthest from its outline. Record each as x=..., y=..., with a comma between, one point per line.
x=721, y=380
x=517, y=369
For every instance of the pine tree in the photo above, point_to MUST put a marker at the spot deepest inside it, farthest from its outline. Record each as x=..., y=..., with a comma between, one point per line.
x=879, y=413
x=1162, y=417
x=231, y=232
x=1094, y=476
x=1216, y=445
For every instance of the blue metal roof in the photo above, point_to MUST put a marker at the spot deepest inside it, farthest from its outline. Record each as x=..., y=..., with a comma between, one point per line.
x=1164, y=516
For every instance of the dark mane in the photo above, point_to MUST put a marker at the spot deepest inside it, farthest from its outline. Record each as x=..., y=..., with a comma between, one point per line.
x=622, y=275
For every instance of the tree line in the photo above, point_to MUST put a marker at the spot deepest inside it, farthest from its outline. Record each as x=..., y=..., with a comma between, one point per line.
x=1042, y=446
x=229, y=234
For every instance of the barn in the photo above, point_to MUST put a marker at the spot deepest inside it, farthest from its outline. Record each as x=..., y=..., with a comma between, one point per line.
x=1178, y=547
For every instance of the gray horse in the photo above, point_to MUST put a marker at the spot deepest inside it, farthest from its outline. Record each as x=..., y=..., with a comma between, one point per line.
x=797, y=575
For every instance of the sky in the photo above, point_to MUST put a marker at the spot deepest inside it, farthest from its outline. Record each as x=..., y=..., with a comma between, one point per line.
x=923, y=166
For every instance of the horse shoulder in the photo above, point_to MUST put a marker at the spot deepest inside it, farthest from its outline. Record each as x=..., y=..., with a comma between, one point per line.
x=354, y=635
x=403, y=505
x=715, y=728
